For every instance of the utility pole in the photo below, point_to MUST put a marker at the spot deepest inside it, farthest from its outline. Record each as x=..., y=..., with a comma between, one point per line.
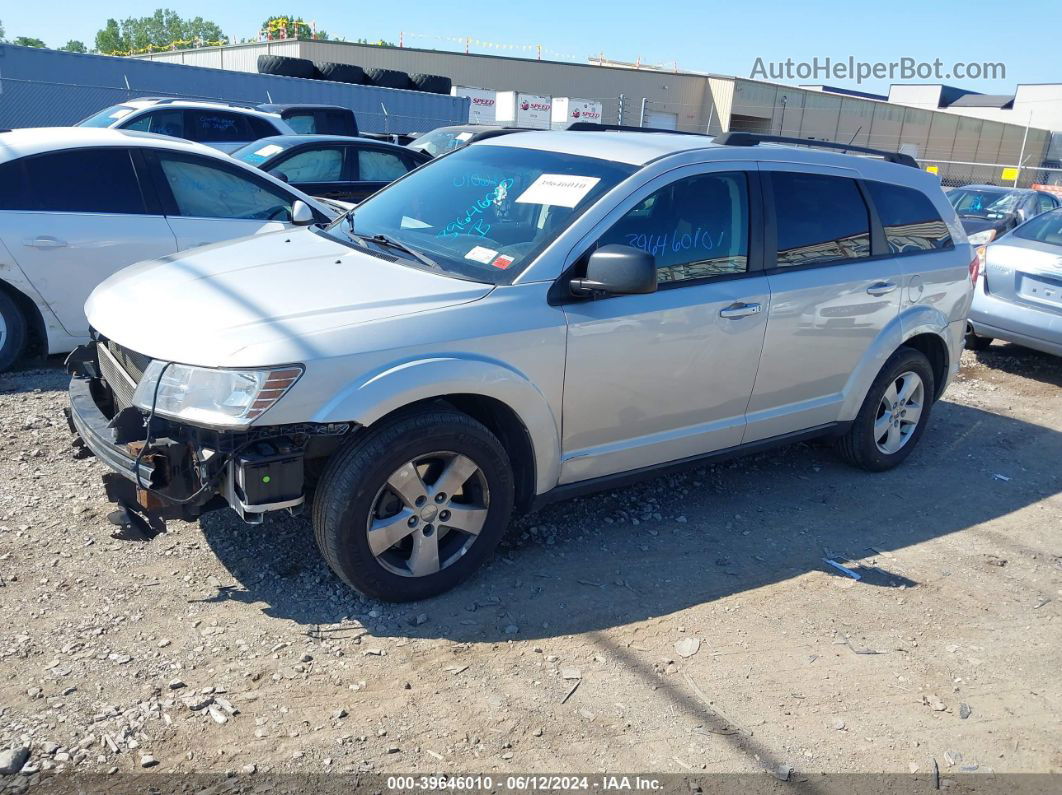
x=1021, y=157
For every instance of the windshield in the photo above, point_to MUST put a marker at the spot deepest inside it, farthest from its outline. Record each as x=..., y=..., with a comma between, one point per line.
x=106, y=117
x=439, y=141
x=258, y=152
x=983, y=203
x=1046, y=228
x=484, y=212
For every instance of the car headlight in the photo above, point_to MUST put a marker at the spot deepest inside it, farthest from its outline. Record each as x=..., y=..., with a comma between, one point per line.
x=981, y=238
x=212, y=397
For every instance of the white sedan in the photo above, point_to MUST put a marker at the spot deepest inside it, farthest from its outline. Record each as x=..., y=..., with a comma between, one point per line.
x=78, y=204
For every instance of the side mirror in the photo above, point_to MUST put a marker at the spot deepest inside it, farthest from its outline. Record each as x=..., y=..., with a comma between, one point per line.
x=617, y=270
x=282, y=176
x=301, y=214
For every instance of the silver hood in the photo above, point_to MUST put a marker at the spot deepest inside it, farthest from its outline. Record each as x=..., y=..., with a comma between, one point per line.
x=261, y=300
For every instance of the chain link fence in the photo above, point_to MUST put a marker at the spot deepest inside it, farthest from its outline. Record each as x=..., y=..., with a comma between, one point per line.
x=955, y=173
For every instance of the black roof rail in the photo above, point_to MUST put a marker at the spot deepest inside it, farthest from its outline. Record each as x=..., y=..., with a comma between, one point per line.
x=590, y=126
x=753, y=139
x=169, y=100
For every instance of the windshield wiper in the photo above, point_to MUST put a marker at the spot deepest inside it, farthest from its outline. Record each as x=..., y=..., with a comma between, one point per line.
x=387, y=240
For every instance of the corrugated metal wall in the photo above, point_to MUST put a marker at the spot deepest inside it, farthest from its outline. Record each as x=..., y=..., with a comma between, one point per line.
x=804, y=113
x=41, y=88
x=668, y=92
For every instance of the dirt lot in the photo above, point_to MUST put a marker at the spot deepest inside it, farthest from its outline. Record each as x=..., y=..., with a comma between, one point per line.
x=688, y=624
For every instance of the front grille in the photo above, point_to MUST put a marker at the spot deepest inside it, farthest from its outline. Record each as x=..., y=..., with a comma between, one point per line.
x=132, y=362
x=122, y=370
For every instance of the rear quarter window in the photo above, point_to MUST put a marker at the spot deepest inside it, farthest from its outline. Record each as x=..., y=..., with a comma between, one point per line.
x=912, y=224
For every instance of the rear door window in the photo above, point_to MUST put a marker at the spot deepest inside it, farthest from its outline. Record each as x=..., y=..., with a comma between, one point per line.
x=312, y=165
x=378, y=166
x=203, y=189
x=820, y=218
x=911, y=222
x=83, y=181
x=219, y=126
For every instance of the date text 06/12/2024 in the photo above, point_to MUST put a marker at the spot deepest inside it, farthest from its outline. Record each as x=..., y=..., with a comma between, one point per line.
x=545, y=783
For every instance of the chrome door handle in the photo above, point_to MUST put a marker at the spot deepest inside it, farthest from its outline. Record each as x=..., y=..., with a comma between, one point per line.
x=739, y=309
x=45, y=242
x=881, y=288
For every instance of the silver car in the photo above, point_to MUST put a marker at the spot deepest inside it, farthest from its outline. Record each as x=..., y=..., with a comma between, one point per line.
x=527, y=318
x=1019, y=295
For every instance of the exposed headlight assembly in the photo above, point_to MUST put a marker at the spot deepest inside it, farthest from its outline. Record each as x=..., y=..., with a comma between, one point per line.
x=981, y=238
x=212, y=397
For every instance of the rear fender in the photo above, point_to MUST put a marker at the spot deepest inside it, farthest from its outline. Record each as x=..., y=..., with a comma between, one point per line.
x=912, y=321
x=377, y=394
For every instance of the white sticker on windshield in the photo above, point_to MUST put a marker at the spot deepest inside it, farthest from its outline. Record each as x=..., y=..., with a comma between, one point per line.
x=464, y=136
x=121, y=113
x=413, y=223
x=559, y=190
x=481, y=254
x=269, y=149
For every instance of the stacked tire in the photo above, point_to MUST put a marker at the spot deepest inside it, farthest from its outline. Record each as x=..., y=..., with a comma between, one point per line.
x=388, y=78
x=285, y=66
x=341, y=73
x=433, y=84
x=355, y=75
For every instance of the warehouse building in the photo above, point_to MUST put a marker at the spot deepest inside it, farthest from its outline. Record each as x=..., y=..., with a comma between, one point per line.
x=937, y=136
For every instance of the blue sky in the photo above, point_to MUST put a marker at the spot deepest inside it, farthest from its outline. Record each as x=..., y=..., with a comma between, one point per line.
x=720, y=37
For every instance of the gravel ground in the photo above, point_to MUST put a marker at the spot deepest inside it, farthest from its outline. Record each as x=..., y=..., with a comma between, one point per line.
x=686, y=624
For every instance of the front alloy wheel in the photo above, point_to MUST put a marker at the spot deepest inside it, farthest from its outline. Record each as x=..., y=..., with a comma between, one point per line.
x=413, y=506
x=428, y=514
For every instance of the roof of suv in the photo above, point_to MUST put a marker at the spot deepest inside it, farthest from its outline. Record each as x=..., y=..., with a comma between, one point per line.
x=149, y=102
x=638, y=148
x=36, y=140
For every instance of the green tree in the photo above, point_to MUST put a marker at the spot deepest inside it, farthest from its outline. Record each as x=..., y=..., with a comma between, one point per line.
x=109, y=38
x=163, y=30
x=378, y=43
x=1, y=32
x=74, y=46
x=295, y=27
x=28, y=41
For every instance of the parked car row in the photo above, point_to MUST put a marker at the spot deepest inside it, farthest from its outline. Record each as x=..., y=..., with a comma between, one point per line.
x=1018, y=297
x=526, y=318
x=80, y=204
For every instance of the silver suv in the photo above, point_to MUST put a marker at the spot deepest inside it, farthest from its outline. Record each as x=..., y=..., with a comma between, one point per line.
x=527, y=318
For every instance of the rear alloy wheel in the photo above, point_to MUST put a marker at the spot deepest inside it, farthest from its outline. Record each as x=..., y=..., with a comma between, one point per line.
x=12, y=331
x=899, y=412
x=893, y=415
x=413, y=507
x=975, y=342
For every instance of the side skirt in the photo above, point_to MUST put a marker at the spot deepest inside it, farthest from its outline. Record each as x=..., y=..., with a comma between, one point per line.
x=621, y=479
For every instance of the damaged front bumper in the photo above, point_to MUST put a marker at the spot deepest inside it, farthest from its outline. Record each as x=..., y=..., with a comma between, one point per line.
x=183, y=471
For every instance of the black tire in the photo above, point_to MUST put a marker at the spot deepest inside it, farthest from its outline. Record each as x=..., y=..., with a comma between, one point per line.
x=975, y=342
x=433, y=84
x=341, y=72
x=285, y=66
x=858, y=446
x=388, y=78
x=13, y=331
x=347, y=493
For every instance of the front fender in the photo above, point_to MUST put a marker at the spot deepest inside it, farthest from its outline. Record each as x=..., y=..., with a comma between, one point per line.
x=910, y=322
x=378, y=393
